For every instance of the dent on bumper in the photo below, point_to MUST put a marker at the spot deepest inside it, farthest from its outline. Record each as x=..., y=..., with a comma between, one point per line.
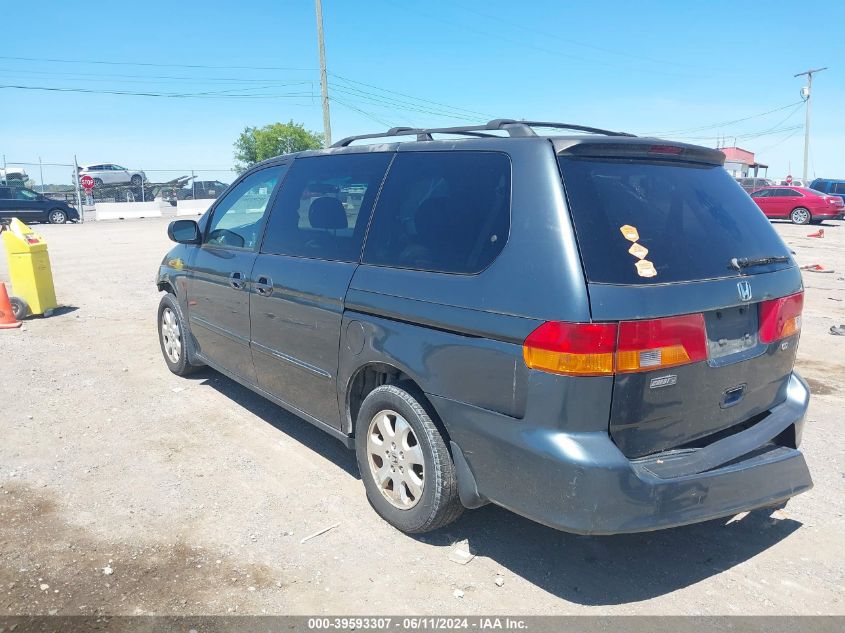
x=582, y=483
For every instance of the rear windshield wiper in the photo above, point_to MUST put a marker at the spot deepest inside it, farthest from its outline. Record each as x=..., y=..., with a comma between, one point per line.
x=744, y=262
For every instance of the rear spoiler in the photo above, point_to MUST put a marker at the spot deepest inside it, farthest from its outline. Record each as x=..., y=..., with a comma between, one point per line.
x=641, y=148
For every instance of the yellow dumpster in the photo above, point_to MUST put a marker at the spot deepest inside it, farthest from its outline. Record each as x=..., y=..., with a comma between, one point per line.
x=29, y=269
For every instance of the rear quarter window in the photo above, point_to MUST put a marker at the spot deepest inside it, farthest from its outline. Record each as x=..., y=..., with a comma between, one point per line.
x=442, y=212
x=644, y=222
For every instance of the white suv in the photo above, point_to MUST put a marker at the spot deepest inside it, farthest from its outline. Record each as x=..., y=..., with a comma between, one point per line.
x=111, y=174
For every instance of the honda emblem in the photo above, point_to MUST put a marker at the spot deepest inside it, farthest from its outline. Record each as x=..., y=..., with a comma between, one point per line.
x=744, y=288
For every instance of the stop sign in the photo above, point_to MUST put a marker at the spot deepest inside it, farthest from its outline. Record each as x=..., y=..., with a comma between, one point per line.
x=87, y=182
x=789, y=179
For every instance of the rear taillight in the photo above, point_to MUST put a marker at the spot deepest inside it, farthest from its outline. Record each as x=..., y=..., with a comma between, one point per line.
x=599, y=349
x=780, y=318
x=577, y=349
x=596, y=349
x=657, y=343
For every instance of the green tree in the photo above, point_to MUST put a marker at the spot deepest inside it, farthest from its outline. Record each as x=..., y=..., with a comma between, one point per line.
x=260, y=143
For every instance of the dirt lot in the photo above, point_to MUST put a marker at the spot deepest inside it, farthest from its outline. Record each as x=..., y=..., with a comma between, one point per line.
x=127, y=490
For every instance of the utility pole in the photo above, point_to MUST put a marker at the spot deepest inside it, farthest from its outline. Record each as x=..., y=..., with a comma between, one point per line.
x=806, y=96
x=324, y=85
x=76, y=189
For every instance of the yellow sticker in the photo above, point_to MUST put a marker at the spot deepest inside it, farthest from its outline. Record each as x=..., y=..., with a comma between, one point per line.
x=630, y=232
x=645, y=268
x=638, y=250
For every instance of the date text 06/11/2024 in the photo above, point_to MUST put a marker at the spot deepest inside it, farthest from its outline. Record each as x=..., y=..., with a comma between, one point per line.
x=429, y=623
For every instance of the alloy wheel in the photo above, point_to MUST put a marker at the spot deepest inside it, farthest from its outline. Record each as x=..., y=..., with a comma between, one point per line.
x=396, y=459
x=171, y=336
x=800, y=216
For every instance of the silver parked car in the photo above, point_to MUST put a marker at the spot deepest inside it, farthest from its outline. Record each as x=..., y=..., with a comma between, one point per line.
x=111, y=174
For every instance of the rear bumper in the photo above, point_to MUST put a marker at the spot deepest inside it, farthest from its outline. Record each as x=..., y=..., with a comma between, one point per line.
x=582, y=483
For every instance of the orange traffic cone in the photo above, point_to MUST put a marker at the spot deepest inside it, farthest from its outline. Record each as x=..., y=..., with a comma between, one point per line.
x=819, y=233
x=7, y=315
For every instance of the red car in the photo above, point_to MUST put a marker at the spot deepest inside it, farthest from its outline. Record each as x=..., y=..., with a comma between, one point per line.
x=798, y=204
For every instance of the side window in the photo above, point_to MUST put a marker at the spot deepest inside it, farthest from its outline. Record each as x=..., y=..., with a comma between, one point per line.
x=442, y=212
x=324, y=205
x=5, y=193
x=790, y=193
x=25, y=194
x=761, y=193
x=838, y=187
x=238, y=218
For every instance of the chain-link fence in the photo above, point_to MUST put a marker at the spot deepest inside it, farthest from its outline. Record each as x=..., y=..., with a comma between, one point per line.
x=110, y=184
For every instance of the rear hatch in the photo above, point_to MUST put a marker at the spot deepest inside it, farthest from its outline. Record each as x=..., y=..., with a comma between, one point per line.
x=706, y=295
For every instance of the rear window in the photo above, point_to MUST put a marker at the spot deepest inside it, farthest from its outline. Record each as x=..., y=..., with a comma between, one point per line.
x=640, y=222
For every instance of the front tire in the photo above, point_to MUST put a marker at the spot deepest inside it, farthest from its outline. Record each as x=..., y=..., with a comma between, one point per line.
x=800, y=215
x=57, y=216
x=136, y=180
x=173, y=337
x=404, y=461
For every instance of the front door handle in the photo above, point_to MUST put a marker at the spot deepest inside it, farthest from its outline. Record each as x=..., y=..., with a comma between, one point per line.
x=237, y=281
x=264, y=286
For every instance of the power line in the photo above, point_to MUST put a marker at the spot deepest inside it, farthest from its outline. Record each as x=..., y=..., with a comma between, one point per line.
x=442, y=109
x=369, y=115
x=723, y=123
x=511, y=24
x=151, y=78
x=171, y=95
x=390, y=102
x=746, y=136
x=586, y=60
x=150, y=64
x=402, y=94
x=780, y=142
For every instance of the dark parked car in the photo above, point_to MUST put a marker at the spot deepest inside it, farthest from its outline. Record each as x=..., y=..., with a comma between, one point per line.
x=832, y=187
x=750, y=184
x=202, y=190
x=596, y=331
x=30, y=206
x=797, y=204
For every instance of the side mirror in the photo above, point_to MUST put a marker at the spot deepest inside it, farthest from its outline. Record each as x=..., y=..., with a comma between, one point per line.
x=184, y=232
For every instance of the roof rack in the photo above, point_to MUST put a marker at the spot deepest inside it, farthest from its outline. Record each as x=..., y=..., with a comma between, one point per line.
x=513, y=127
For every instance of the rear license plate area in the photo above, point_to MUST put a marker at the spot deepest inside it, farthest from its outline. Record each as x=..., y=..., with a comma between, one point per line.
x=731, y=331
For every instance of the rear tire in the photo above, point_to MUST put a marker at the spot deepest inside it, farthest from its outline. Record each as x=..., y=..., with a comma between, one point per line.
x=800, y=215
x=173, y=337
x=404, y=461
x=20, y=308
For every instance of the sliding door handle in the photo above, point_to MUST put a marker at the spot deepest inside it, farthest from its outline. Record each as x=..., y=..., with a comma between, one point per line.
x=263, y=286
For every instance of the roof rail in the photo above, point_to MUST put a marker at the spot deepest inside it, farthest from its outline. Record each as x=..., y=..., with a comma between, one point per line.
x=513, y=127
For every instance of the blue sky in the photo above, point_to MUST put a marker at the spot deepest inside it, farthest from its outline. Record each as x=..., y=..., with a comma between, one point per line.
x=679, y=69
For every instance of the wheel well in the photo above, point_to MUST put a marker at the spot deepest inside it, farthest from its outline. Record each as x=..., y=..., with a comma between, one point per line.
x=364, y=381
x=164, y=286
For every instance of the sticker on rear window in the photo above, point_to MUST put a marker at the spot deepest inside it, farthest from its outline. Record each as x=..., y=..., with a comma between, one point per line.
x=638, y=250
x=645, y=268
x=630, y=232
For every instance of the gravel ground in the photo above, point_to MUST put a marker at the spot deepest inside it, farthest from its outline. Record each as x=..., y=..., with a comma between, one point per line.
x=127, y=490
